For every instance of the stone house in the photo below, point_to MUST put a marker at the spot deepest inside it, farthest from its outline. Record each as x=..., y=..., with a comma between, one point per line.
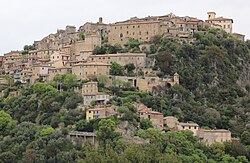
x=84, y=70
x=40, y=72
x=52, y=72
x=214, y=136
x=150, y=84
x=90, y=93
x=155, y=117
x=138, y=59
x=171, y=122
x=98, y=28
x=225, y=23
x=59, y=59
x=194, y=127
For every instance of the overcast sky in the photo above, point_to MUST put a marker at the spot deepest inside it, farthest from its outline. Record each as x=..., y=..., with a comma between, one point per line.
x=23, y=21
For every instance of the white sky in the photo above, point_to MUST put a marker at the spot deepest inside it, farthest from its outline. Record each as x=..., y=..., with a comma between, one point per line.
x=23, y=21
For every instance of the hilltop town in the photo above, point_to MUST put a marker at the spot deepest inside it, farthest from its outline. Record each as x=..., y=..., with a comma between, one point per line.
x=72, y=51
x=144, y=79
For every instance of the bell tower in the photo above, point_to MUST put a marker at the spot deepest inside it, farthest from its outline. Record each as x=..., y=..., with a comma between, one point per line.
x=211, y=15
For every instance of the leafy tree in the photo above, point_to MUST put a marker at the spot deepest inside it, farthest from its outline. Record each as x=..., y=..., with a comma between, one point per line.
x=130, y=67
x=106, y=131
x=81, y=36
x=46, y=131
x=245, y=138
x=6, y=122
x=146, y=124
x=116, y=69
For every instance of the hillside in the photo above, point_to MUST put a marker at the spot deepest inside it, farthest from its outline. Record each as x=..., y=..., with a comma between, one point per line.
x=214, y=92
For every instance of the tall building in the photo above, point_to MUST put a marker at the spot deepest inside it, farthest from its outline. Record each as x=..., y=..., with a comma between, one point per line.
x=220, y=22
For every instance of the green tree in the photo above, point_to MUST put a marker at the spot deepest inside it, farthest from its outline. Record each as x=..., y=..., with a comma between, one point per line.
x=106, y=131
x=81, y=36
x=116, y=69
x=46, y=131
x=6, y=122
x=146, y=124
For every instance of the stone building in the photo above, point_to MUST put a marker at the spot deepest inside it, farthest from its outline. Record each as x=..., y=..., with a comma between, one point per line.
x=224, y=23
x=143, y=29
x=90, y=93
x=194, y=127
x=39, y=72
x=98, y=28
x=59, y=59
x=58, y=40
x=214, y=136
x=88, y=44
x=53, y=71
x=83, y=138
x=239, y=36
x=1, y=61
x=155, y=117
x=84, y=70
x=151, y=84
x=138, y=59
x=171, y=122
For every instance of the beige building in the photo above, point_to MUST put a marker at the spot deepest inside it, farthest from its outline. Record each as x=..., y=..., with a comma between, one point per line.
x=98, y=28
x=151, y=84
x=84, y=70
x=39, y=72
x=194, y=127
x=239, y=36
x=59, y=59
x=155, y=117
x=138, y=59
x=90, y=42
x=52, y=72
x=225, y=23
x=90, y=93
x=143, y=29
x=171, y=122
x=214, y=136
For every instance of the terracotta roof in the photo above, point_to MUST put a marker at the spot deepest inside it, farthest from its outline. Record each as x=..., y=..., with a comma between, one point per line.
x=96, y=109
x=219, y=19
x=145, y=110
x=155, y=112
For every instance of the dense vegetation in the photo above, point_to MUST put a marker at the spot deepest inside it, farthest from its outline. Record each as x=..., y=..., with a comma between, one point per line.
x=213, y=92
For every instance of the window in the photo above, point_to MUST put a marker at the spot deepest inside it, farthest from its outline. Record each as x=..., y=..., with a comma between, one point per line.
x=224, y=26
x=140, y=33
x=89, y=111
x=229, y=26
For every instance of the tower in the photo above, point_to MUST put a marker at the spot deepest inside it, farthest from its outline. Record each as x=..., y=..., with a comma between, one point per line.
x=211, y=15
